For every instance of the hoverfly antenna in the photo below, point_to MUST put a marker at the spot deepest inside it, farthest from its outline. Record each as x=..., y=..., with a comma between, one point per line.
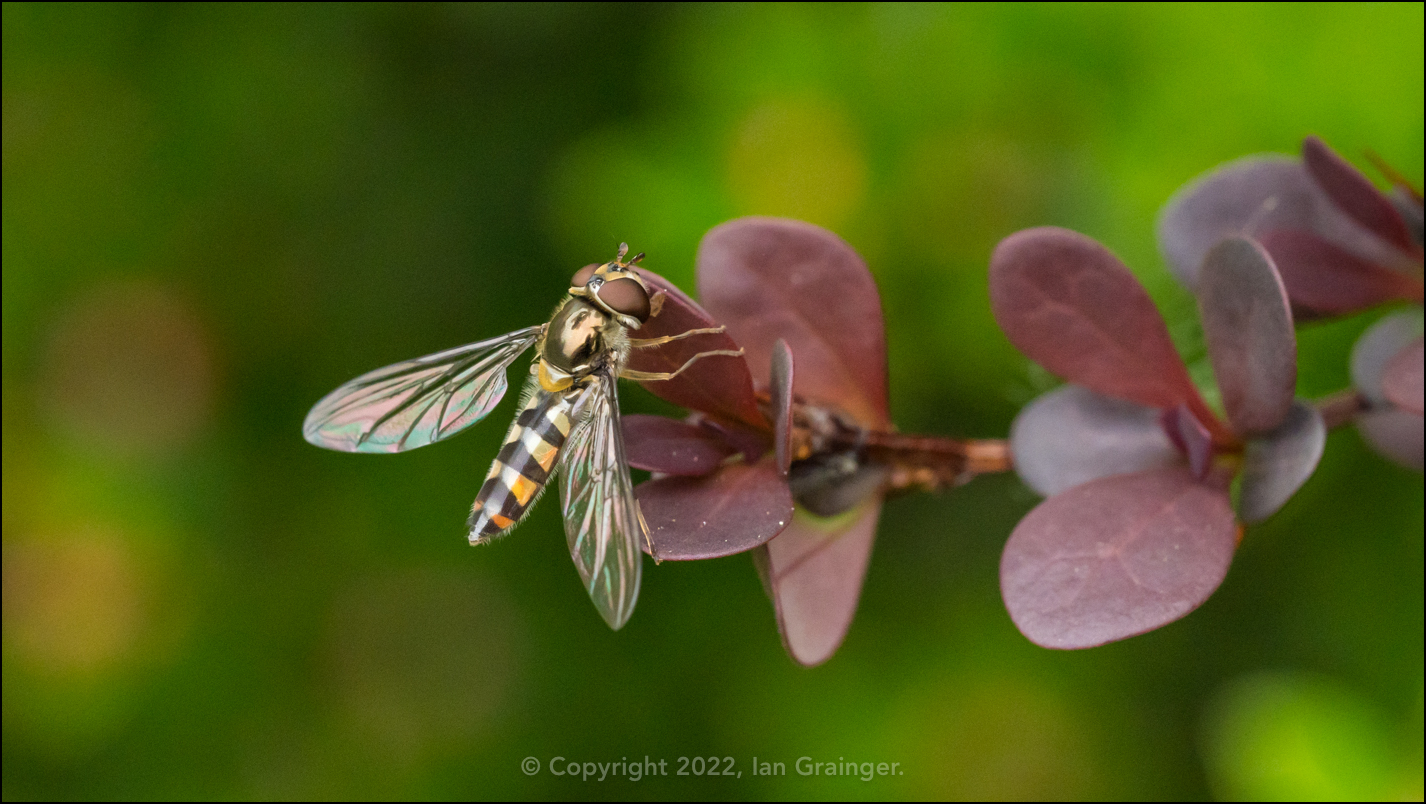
x=636, y=259
x=623, y=249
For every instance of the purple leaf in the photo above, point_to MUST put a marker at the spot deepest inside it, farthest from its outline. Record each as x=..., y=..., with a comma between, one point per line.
x=815, y=569
x=1116, y=557
x=1326, y=280
x=1276, y=465
x=730, y=511
x=752, y=442
x=1190, y=437
x=717, y=385
x=1248, y=328
x=661, y=444
x=1377, y=347
x=1408, y=205
x=769, y=278
x=1236, y=199
x=1402, y=381
x=1071, y=305
x=1394, y=434
x=1072, y=435
x=1354, y=193
x=780, y=389
x=1254, y=195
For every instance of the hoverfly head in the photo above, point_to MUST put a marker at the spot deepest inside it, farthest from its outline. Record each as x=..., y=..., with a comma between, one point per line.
x=615, y=288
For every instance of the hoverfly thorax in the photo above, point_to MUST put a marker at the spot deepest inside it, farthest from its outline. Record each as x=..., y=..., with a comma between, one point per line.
x=568, y=422
x=578, y=340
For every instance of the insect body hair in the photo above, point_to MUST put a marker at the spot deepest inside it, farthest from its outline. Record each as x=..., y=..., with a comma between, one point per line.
x=540, y=492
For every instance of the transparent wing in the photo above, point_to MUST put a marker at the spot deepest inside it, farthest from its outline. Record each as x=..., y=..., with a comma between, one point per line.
x=415, y=403
x=601, y=516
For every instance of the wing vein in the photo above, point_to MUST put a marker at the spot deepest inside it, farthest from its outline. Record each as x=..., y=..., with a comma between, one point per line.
x=417, y=402
x=601, y=525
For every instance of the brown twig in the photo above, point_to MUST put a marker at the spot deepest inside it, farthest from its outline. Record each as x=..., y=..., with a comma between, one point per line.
x=913, y=462
x=1341, y=408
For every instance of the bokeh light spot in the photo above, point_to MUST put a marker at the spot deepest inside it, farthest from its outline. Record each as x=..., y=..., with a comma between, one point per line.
x=1279, y=737
x=73, y=604
x=128, y=368
x=797, y=160
x=964, y=191
x=997, y=739
x=423, y=659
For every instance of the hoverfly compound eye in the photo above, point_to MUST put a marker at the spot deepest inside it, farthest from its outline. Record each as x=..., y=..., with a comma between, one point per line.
x=581, y=277
x=626, y=297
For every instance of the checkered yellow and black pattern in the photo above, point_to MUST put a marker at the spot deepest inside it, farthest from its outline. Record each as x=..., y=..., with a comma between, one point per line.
x=522, y=467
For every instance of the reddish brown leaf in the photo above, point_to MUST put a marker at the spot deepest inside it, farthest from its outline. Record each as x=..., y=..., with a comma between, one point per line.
x=1403, y=379
x=1191, y=437
x=780, y=389
x=1408, y=203
x=769, y=278
x=1354, y=193
x=1254, y=195
x=1395, y=435
x=1116, y=557
x=1071, y=305
x=718, y=385
x=1276, y=465
x=815, y=570
x=752, y=442
x=730, y=511
x=1072, y=435
x=1239, y=198
x=1377, y=347
x=1327, y=280
x=1247, y=324
x=661, y=444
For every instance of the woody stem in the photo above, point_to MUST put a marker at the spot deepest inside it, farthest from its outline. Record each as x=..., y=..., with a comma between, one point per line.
x=1341, y=408
x=917, y=462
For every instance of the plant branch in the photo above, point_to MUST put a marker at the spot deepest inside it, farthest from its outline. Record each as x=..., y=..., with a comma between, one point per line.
x=1341, y=408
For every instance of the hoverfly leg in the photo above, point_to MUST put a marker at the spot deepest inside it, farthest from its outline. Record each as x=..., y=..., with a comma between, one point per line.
x=648, y=539
x=638, y=343
x=655, y=376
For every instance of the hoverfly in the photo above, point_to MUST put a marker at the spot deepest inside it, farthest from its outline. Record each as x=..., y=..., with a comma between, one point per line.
x=568, y=422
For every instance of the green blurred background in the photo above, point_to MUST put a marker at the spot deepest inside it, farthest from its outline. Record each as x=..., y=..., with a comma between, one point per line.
x=214, y=214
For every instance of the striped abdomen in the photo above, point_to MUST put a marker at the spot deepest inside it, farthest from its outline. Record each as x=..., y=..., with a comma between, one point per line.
x=523, y=465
